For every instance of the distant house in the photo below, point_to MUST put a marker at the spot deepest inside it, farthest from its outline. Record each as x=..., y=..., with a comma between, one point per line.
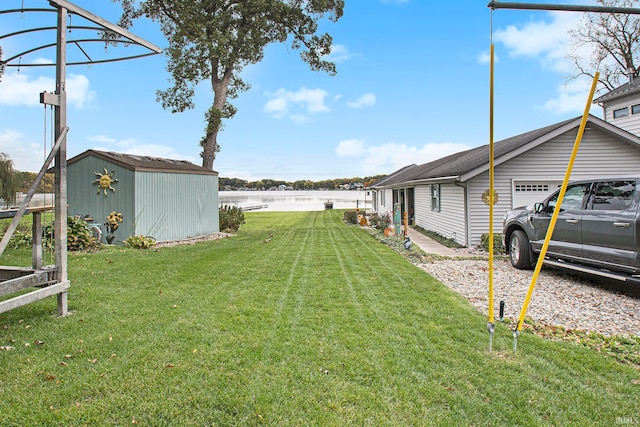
x=446, y=195
x=162, y=198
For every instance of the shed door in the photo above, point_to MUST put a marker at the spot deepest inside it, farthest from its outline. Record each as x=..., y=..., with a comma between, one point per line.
x=526, y=193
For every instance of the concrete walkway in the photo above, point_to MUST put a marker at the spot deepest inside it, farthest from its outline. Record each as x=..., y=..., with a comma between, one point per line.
x=429, y=245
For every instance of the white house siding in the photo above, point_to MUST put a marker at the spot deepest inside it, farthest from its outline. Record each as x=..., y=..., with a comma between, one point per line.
x=450, y=220
x=165, y=209
x=600, y=155
x=630, y=123
x=384, y=201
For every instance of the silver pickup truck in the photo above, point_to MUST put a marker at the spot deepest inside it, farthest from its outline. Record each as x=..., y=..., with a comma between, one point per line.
x=597, y=230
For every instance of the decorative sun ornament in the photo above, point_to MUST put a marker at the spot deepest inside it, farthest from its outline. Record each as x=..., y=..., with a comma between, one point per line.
x=104, y=181
x=486, y=194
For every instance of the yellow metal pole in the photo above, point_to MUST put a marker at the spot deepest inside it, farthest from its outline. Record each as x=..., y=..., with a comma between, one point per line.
x=491, y=324
x=556, y=211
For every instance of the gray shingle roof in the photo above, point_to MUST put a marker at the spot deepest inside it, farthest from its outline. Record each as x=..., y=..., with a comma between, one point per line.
x=145, y=163
x=628, y=88
x=458, y=164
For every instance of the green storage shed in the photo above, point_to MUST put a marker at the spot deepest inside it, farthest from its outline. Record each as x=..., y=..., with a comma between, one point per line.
x=162, y=198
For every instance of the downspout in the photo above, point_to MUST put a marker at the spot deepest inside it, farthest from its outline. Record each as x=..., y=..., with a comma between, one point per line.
x=467, y=234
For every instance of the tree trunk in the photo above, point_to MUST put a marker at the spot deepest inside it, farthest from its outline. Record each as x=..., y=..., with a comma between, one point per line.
x=209, y=148
x=220, y=88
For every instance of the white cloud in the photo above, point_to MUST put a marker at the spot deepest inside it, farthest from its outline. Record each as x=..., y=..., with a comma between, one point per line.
x=339, y=54
x=101, y=139
x=310, y=101
x=350, y=148
x=391, y=156
x=20, y=89
x=572, y=97
x=547, y=41
x=26, y=155
x=365, y=100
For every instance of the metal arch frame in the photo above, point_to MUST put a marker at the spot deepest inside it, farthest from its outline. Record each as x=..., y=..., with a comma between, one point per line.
x=102, y=25
x=563, y=7
x=53, y=280
x=76, y=42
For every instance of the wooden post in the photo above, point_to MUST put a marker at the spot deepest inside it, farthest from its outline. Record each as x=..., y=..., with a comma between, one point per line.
x=60, y=168
x=36, y=241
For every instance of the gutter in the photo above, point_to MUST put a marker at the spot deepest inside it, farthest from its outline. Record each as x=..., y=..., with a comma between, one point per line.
x=403, y=184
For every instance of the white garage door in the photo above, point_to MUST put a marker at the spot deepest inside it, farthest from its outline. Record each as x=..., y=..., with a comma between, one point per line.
x=526, y=193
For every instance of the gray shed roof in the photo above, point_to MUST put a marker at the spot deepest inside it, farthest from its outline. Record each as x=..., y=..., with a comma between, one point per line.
x=145, y=163
x=466, y=164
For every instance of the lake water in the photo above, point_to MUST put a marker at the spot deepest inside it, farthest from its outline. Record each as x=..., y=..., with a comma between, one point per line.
x=296, y=200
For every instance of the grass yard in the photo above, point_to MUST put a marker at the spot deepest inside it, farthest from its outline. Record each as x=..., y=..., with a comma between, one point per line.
x=321, y=325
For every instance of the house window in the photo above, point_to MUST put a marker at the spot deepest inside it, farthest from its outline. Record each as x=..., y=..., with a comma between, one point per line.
x=622, y=112
x=635, y=109
x=435, y=197
x=381, y=197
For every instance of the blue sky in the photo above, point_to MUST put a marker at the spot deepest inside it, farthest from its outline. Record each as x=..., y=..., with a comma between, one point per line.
x=412, y=86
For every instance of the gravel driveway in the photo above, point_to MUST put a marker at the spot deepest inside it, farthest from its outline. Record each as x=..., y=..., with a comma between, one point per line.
x=559, y=298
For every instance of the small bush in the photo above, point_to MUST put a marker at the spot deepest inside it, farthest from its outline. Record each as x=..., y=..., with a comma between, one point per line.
x=140, y=242
x=350, y=217
x=20, y=240
x=498, y=247
x=21, y=237
x=380, y=222
x=79, y=236
x=231, y=218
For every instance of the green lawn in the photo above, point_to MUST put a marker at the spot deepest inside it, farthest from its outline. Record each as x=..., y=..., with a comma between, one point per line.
x=321, y=325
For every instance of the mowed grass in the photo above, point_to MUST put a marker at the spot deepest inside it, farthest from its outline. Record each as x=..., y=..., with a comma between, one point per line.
x=320, y=325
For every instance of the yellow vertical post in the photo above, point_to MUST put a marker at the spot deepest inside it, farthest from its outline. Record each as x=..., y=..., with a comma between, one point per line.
x=491, y=324
x=556, y=211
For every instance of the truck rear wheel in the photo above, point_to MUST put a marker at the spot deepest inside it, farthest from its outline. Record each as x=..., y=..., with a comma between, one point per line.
x=519, y=250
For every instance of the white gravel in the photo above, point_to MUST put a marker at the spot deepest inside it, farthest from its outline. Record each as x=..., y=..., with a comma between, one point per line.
x=559, y=298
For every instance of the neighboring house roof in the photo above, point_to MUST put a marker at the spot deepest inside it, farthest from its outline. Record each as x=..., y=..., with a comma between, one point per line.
x=145, y=163
x=466, y=164
x=629, y=88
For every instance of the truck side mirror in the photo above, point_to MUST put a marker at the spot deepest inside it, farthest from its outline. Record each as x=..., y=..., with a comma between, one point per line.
x=538, y=207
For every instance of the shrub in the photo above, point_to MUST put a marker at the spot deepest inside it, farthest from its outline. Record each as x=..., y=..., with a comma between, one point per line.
x=498, y=247
x=350, y=217
x=231, y=218
x=140, y=242
x=21, y=237
x=380, y=222
x=79, y=236
x=20, y=240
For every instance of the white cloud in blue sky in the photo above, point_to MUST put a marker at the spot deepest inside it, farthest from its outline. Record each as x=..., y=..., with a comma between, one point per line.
x=372, y=157
x=543, y=39
x=366, y=100
x=19, y=88
x=26, y=154
x=339, y=54
x=309, y=101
